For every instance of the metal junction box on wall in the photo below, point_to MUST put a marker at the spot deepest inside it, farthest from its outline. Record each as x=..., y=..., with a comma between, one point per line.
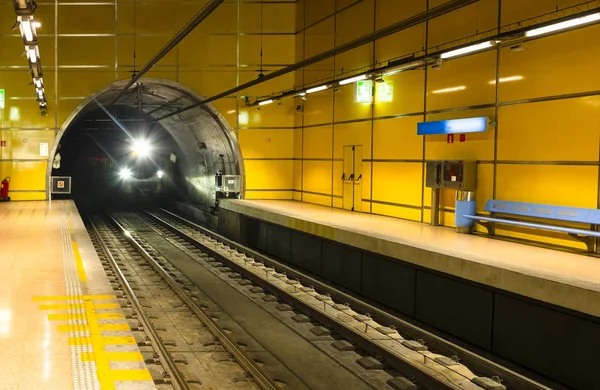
x=231, y=184
x=459, y=175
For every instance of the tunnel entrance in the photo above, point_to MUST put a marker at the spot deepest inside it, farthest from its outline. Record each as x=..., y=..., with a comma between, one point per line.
x=120, y=155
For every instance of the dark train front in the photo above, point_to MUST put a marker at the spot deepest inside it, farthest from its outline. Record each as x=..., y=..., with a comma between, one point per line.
x=145, y=172
x=134, y=172
x=118, y=163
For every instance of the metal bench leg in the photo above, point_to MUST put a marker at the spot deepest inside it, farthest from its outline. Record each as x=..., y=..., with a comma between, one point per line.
x=587, y=240
x=489, y=226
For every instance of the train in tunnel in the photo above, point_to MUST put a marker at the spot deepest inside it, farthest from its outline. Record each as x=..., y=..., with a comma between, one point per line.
x=133, y=171
x=143, y=173
x=121, y=154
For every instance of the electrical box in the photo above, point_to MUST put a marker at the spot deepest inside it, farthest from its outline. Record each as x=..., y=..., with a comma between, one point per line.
x=433, y=174
x=231, y=184
x=458, y=175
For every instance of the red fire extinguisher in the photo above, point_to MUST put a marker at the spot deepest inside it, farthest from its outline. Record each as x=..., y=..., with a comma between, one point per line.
x=4, y=190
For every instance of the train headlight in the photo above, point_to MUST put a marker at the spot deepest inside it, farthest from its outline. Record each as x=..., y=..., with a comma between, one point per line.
x=125, y=173
x=142, y=148
x=160, y=174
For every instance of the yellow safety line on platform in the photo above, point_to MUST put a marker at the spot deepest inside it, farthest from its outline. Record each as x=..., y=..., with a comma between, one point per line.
x=96, y=339
x=78, y=262
x=102, y=327
x=102, y=365
x=105, y=340
x=75, y=298
x=67, y=306
x=100, y=316
x=117, y=357
x=109, y=316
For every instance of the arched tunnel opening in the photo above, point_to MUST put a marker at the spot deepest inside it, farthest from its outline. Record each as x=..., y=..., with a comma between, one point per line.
x=119, y=156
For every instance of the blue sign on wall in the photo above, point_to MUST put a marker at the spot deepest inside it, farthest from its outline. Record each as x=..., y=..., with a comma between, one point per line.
x=454, y=126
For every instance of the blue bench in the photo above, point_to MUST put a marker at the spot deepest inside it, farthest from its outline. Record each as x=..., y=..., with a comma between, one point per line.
x=541, y=211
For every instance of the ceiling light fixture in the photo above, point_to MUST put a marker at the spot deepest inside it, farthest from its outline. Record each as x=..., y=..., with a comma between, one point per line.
x=264, y=103
x=353, y=79
x=402, y=68
x=317, y=89
x=468, y=49
x=32, y=53
x=26, y=29
x=563, y=25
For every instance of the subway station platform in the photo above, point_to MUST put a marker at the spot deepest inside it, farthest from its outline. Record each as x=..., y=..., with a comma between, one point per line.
x=61, y=327
x=564, y=279
x=529, y=306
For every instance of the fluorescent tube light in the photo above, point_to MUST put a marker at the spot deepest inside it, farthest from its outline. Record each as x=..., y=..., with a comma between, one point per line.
x=39, y=83
x=32, y=53
x=264, y=103
x=402, y=68
x=468, y=49
x=317, y=89
x=562, y=25
x=453, y=89
x=26, y=30
x=353, y=79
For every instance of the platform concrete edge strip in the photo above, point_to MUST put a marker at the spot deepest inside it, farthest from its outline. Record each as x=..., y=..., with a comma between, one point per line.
x=542, y=285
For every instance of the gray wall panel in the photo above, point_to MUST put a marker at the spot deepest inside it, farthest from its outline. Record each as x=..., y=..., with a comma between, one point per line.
x=389, y=282
x=342, y=265
x=549, y=341
x=278, y=242
x=455, y=307
x=306, y=252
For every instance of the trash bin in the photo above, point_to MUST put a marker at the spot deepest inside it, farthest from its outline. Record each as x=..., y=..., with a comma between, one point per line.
x=465, y=205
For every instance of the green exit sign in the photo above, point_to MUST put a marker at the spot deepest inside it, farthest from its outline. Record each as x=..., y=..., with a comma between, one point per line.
x=364, y=91
x=2, y=100
x=385, y=91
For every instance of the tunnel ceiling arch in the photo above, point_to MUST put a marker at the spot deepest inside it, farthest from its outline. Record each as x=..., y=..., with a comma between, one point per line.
x=207, y=143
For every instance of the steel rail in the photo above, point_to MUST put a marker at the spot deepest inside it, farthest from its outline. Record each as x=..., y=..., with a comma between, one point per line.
x=260, y=378
x=384, y=32
x=425, y=375
x=178, y=37
x=510, y=378
x=180, y=383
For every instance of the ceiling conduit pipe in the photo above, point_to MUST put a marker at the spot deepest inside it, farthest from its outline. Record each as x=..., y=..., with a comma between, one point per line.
x=384, y=32
x=185, y=30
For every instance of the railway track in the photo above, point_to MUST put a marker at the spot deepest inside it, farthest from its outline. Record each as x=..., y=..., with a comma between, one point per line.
x=181, y=352
x=301, y=333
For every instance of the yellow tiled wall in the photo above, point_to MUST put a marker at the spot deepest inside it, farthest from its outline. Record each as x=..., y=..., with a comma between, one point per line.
x=92, y=46
x=545, y=149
